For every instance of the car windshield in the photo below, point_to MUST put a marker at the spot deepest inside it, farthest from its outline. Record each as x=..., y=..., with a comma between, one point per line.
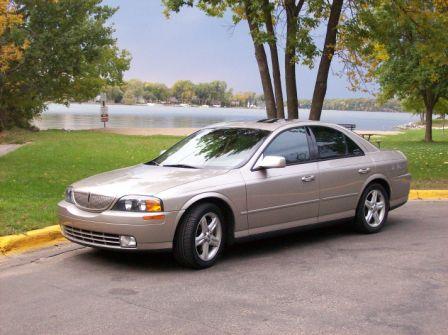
x=213, y=148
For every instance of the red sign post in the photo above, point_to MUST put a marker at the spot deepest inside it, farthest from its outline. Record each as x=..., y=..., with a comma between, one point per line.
x=104, y=113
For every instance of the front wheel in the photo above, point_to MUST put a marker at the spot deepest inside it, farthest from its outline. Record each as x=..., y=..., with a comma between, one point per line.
x=200, y=237
x=373, y=208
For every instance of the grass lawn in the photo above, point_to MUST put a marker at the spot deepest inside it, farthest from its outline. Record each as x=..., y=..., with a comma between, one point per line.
x=428, y=162
x=33, y=178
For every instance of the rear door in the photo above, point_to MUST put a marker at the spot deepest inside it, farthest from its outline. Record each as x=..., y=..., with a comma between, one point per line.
x=284, y=197
x=343, y=169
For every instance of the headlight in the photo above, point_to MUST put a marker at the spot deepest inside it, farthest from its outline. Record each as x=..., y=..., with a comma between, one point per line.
x=69, y=194
x=138, y=203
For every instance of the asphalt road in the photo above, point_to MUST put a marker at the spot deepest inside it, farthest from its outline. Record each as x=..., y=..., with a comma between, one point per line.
x=324, y=281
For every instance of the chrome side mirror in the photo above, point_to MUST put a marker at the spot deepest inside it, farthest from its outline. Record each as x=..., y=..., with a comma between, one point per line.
x=272, y=162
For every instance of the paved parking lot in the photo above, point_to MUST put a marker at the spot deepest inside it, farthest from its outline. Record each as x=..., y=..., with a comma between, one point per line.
x=323, y=281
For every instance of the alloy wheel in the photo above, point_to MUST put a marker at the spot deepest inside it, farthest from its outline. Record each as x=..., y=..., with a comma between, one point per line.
x=374, y=208
x=208, y=236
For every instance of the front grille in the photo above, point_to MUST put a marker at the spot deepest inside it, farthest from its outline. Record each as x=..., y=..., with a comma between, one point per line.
x=91, y=201
x=92, y=237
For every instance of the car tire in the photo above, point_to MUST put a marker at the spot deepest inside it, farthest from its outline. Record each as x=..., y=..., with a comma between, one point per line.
x=200, y=236
x=372, y=210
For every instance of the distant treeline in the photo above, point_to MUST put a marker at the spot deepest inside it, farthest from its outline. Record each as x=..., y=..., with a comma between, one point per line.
x=217, y=93
x=361, y=104
x=182, y=92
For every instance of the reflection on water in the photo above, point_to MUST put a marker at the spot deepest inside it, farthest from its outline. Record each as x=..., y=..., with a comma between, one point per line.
x=86, y=116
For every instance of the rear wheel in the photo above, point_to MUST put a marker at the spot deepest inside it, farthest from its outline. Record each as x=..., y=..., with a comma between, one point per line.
x=373, y=208
x=200, y=237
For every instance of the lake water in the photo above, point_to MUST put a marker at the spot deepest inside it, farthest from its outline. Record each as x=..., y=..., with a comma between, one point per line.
x=86, y=116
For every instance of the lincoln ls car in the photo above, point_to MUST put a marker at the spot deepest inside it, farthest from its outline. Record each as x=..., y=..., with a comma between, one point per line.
x=234, y=180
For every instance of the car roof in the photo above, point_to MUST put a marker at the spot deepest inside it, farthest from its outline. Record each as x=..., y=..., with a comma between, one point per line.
x=269, y=124
x=274, y=125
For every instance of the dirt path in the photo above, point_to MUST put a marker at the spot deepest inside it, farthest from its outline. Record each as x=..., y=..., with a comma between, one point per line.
x=7, y=148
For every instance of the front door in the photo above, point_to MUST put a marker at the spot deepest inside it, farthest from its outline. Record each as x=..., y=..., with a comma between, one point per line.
x=286, y=197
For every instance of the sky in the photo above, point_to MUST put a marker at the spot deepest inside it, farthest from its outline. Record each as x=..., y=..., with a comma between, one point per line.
x=193, y=46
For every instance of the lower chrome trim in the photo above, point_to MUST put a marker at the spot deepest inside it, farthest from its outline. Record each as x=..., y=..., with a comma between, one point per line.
x=280, y=207
x=282, y=226
x=340, y=196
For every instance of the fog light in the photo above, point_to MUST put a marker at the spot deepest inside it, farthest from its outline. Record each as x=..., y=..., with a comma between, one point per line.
x=128, y=241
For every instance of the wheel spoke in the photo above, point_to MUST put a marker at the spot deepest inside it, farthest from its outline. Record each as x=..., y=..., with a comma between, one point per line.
x=369, y=216
x=204, y=225
x=205, y=249
x=380, y=205
x=212, y=225
x=374, y=196
x=376, y=218
x=214, y=241
x=200, y=239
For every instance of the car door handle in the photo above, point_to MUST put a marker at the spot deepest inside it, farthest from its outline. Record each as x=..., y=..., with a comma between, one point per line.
x=307, y=179
x=364, y=171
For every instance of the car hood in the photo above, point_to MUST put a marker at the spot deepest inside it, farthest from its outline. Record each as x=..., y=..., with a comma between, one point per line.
x=142, y=180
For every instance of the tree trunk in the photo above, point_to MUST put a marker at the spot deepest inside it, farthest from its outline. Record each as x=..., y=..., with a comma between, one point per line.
x=292, y=12
x=320, y=88
x=274, y=58
x=430, y=101
x=262, y=63
x=428, y=125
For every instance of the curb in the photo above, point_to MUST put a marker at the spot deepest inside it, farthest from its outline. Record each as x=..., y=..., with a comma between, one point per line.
x=51, y=235
x=428, y=195
x=33, y=239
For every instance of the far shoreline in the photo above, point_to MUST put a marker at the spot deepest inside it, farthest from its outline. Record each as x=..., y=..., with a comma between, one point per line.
x=186, y=106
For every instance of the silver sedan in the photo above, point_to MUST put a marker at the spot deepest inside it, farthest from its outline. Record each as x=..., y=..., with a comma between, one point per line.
x=234, y=180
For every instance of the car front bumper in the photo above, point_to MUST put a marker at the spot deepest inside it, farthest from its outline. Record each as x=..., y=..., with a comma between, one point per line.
x=103, y=230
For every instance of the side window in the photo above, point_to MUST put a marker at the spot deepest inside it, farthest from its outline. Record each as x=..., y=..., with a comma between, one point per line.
x=352, y=148
x=291, y=144
x=331, y=143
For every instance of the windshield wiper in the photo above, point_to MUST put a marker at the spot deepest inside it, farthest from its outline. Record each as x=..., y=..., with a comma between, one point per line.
x=185, y=166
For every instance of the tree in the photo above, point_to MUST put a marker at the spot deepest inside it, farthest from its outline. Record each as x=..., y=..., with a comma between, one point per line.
x=114, y=93
x=243, y=9
x=219, y=94
x=202, y=91
x=416, y=105
x=70, y=55
x=183, y=90
x=252, y=17
x=260, y=16
x=11, y=50
x=403, y=45
x=292, y=16
x=268, y=9
x=129, y=98
x=134, y=87
x=244, y=98
x=155, y=92
x=320, y=88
